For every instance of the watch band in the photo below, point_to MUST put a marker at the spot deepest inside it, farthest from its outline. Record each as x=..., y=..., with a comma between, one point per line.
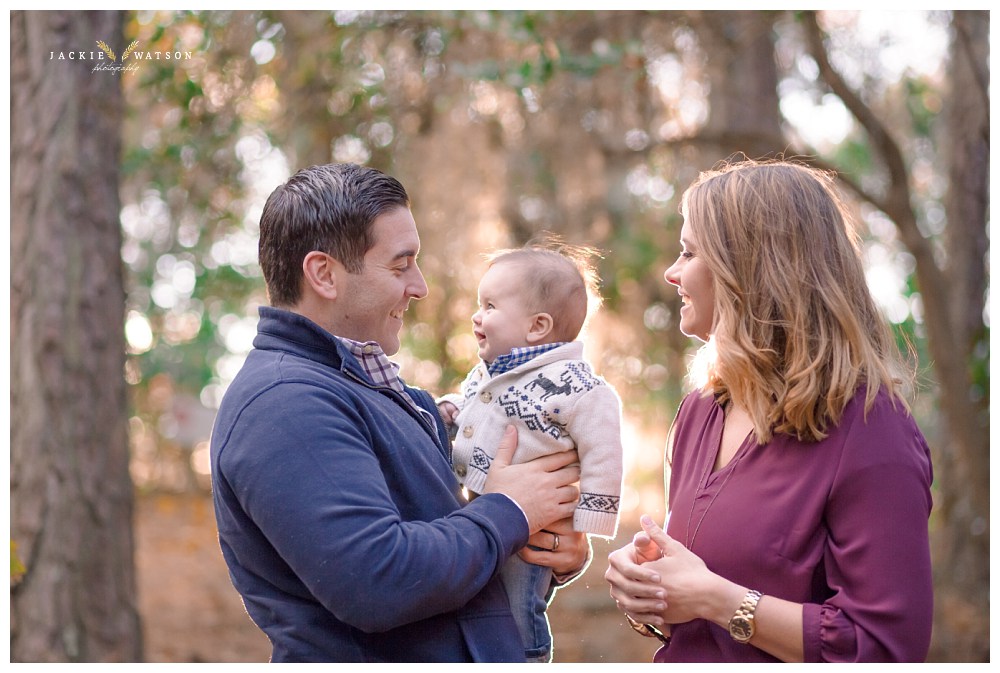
x=741, y=625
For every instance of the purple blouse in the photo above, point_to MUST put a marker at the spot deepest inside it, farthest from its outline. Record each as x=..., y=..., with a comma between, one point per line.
x=839, y=526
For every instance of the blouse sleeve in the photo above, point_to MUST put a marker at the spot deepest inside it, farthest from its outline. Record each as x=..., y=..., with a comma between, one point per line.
x=877, y=561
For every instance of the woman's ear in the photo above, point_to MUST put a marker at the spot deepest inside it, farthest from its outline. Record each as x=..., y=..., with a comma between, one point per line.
x=320, y=272
x=541, y=328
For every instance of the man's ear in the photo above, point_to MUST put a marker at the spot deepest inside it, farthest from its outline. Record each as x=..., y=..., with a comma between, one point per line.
x=541, y=328
x=320, y=272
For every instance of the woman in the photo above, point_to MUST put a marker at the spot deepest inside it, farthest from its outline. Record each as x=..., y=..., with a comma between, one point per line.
x=799, y=484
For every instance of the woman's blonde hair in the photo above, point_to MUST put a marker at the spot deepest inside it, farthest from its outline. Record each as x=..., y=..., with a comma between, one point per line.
x=796, y=329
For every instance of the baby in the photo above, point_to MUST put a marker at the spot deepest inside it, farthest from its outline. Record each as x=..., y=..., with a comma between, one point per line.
x=533, y=303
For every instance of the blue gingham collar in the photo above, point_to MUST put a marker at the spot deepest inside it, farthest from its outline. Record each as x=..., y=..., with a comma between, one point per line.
x=518, y=357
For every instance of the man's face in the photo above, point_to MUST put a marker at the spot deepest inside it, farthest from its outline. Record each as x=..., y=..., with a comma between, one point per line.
x=371, y=304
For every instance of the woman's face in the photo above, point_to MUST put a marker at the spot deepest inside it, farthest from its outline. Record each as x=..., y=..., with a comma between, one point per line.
x=695, y=284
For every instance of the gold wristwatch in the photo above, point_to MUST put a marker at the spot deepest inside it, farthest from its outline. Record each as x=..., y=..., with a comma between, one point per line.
x=741, y=626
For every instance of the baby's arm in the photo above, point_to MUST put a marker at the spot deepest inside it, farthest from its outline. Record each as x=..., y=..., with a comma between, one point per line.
x=449, y=414
x=595, y=427
x=448, y=411
x=449, y=407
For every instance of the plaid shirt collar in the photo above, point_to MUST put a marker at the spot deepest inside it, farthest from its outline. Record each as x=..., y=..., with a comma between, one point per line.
x=378, y=366
x=375, y=362
x=518, y=357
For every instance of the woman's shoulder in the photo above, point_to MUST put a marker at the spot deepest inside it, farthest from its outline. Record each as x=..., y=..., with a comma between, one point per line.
x=879, y=407
x=698, y=401
x=695, y=410
x=882, y=430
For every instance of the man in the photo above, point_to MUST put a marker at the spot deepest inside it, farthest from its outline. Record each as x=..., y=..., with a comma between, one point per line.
x=339, y=516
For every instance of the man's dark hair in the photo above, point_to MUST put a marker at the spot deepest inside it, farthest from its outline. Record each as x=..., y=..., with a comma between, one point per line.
x=328, y=208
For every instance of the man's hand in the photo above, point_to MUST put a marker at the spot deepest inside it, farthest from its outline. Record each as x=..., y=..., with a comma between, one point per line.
x=569, y=556
x=544, y=488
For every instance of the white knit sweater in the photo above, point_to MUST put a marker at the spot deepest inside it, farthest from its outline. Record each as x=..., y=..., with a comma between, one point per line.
x=556, y=403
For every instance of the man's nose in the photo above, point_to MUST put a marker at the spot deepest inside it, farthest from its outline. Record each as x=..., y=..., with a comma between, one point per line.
x=418, y=287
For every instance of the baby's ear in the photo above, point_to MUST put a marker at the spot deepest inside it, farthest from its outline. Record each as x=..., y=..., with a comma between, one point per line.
x=541, y=328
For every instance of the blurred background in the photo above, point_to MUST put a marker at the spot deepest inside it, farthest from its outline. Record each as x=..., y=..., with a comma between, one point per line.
x=137, y=184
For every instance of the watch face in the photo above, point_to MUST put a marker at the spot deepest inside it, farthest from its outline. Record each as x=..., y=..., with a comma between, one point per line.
x=741, y=629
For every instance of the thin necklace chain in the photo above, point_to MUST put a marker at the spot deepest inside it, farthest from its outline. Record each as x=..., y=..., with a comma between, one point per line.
x=704, y=483
x=725, y=481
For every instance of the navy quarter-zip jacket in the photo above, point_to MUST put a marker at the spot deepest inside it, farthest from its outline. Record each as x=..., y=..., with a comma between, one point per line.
x=340, y=518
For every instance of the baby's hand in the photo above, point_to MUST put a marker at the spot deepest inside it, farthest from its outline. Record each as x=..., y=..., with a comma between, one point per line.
x=449, y=412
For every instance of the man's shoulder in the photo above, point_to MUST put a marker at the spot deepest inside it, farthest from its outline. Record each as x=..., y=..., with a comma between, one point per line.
x=272, y=377
x=268, y=366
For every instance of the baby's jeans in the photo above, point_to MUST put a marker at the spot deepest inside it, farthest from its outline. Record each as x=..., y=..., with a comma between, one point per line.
x=527, y=588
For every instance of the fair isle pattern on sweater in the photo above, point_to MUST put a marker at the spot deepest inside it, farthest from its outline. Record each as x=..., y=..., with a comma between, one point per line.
x=557, y=403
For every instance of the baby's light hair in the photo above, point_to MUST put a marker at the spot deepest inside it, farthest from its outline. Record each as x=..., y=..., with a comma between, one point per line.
x=559, y=278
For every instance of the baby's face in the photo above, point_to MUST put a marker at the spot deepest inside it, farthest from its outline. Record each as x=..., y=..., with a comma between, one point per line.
x=503, y=320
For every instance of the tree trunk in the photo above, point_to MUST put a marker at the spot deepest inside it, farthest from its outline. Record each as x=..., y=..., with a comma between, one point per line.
x=962, y=540
x=953, y=298
x=70, y=491
x=743, y=112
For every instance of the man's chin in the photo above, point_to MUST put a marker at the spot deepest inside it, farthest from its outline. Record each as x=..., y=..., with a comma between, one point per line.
x=390, y=348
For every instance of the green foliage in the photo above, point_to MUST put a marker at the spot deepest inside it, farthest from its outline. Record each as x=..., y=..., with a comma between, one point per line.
x=17, y=568
x=183, y=174
x=501, y=123
x=923, y=103
x=854, y=156
x=980, y=368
